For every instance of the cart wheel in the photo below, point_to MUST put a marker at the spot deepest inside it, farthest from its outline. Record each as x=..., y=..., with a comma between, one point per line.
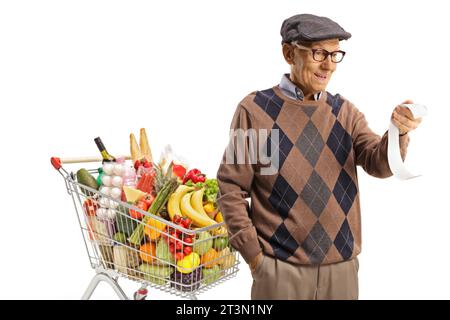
x=141, y=294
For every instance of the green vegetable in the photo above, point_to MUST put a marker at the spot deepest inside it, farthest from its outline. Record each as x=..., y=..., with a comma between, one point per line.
x=163, y=252
x=197, y=185
x=212, y=188
x=155, y=274
x=120, y=237
x=124, y=223
x=86, y=179
x=203, y=243
x=157, y=205
x=210, y=275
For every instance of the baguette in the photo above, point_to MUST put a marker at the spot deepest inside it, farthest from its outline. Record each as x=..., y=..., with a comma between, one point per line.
x=134, y=149
x=145, y=147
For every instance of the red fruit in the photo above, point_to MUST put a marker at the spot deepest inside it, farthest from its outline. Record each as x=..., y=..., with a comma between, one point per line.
x=178, y=170
x=172, y=248
x=187, y=250
x=137, y=163
x=148, y=199
x=178, y=232
x=147, y=164
x=179, y=245
x=188, y=240
x=187, y=223
x=177, y=219
x=179, y=256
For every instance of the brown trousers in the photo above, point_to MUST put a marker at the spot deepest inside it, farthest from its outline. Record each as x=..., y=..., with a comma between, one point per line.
x=274, y=279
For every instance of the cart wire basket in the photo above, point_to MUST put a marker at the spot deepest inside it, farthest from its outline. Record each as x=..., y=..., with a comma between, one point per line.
x=150, y=261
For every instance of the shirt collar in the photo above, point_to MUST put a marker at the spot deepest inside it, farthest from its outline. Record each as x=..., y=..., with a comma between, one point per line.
x=292, y=91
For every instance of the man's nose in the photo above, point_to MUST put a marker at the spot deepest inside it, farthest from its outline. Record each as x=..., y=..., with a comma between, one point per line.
x=327, y=64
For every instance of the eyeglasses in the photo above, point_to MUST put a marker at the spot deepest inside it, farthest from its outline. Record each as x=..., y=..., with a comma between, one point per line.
x=320, y=55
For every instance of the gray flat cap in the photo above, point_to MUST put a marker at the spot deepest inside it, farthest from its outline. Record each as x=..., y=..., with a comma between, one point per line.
x=308, y=27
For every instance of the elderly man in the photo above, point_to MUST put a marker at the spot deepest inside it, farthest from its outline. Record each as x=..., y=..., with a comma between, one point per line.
x=302, y=233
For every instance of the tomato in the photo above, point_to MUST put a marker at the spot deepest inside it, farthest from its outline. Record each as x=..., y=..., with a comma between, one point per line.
x=90, y=207
x=136, y=214
x=148, y=199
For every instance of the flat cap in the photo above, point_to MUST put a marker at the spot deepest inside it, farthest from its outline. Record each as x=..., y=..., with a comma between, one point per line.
x=308, y=27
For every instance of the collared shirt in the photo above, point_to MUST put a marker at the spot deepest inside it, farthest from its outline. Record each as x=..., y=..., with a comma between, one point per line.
x=292, y=91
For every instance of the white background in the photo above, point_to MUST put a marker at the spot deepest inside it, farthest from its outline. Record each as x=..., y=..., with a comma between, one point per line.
x=74, y=70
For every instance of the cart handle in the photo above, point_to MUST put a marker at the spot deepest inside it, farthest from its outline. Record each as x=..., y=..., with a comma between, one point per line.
x=58, y=162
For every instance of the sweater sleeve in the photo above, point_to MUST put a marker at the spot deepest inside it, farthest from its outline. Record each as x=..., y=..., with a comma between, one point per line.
x=371, y=149
x=235, y=180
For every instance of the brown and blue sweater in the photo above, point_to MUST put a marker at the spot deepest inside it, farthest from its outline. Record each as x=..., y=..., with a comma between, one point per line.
x=308, y=212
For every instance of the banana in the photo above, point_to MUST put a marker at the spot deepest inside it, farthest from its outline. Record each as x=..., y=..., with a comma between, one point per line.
x=197, y=201
x=197, y=218
x=173, y=205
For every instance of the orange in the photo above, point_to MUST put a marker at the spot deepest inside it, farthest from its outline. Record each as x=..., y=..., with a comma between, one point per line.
x=147, y=251
x=209, y=258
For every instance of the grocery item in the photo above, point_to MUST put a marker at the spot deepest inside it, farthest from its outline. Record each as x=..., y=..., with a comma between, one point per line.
x=153, y=229
x=163, y=253
x=120, y=258
x=226, y=259
x=155, y=208
x=186, y=282
x=210, y=275
x=86, y=179
x=220, y=243
x=90, y=207
x=210, y=258
x=203, y=243
x=147, y=252
x=155, y=273
x=173, y=205
x=107, y=256
x=145, y=147
x=133, y=195
x=120, y=237
x=124, y=223
x=199, y=219
x=105, y=155
x=188, y=263
x=197, y=201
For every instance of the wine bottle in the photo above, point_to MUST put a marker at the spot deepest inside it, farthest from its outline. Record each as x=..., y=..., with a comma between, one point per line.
x=101, y=147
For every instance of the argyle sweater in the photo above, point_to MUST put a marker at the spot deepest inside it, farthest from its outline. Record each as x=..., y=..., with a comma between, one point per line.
x=307, y=211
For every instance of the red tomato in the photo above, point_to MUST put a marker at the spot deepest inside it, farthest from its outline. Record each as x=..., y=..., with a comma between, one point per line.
x=148, y=199
x=136, y=214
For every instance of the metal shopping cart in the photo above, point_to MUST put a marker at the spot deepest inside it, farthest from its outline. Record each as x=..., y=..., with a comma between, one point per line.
x=151, y=262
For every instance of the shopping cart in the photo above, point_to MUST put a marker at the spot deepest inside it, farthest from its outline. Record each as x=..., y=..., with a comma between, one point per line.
x=151, y=262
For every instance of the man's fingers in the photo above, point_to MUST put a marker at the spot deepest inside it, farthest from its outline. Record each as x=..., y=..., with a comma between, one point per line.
x=400, y=126
x=405, y=112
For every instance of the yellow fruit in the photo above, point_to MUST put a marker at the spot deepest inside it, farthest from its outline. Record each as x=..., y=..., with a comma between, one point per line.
x=209, y=259
x=197, y=218
x=210, y=210
x=219, y=217
x=153, y=228
x=197, y=201
x=173, y=205
x=227, y=258
x=221, y=231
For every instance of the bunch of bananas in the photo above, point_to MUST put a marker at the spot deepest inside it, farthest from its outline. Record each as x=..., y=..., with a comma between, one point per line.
x=188, y=202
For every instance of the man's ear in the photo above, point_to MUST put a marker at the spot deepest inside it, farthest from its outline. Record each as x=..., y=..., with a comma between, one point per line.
x=288, y=53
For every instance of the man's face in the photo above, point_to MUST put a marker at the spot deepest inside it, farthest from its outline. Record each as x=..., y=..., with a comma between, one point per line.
x=311, y=75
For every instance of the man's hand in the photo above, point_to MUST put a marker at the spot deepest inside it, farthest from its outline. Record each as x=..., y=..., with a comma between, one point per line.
x=404, y=119
x=255, y=262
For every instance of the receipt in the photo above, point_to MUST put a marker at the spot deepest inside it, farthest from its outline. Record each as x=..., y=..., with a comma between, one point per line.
x=396, y=164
